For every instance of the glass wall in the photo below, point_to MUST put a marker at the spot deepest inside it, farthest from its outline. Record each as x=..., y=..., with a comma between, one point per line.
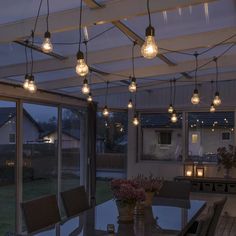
x=208, y=132
x=71, y=142
x=160, y=138
x=111, y=145
x=7, y=166
x=40, y=158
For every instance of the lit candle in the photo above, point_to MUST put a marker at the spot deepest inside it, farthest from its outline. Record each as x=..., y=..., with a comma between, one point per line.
x=189, y=173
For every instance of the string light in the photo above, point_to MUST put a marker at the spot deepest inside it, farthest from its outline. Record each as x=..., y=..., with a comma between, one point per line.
x=90, y=98
x=135, y=120
x=212, y=108
x=26, y=82
x=85, y=88
x=105, y=111
x=133, y=86
x=130, y=104
x=174, y=117
x=216, y=100
x=170, y=108
x=149, y=49
x=47, y=46
x=32, y=88
x=81, y=67
x=195, y=98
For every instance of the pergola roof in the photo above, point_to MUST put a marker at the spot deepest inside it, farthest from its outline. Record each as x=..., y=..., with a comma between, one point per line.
x=185, y=26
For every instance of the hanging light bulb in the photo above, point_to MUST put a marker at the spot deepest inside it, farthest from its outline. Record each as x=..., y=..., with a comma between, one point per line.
x=105, y=111
x=195, y=98
x=149, y=49
x=47, y=46
x=81, y=67
x=135, y=120
x=170, y=109
x=130, y=104
x=212, y=108
x=90, y=98
x=85, y=88
x=217, y=100
x=133, y=86
x=26, y=82
x=174, y=117
x=32, y=86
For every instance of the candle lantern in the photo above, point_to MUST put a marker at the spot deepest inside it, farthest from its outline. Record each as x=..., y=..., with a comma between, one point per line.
x=200, y=171
x=189, y=169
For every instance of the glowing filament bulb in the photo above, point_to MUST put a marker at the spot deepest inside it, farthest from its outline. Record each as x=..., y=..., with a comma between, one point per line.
x=212, y=108
x=47, y=46
x=133, y=86
x=195, y=98
x=174, y=117
x=217, y=100
x=105, y=111
x=32, y=86
x=170, y=109
x=85, y=88
x=90, y=98
x=81, y=67
x=26, y=82
x=130, y=104
x=135, y=121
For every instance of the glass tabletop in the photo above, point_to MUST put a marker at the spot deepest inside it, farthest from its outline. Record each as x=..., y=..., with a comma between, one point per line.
x=157, y=220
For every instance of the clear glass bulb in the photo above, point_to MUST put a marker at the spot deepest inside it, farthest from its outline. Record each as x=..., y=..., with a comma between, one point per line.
x=105, y=111
x=90, y=98
x=81, y=67
x=195, y=98
x=135, y=121
x=130, y=105
x=174, y=117
x=217, y=100
x=170, y=109
x=85, y=89
x=47, y=46
x=212, y=108
x=132, y=87
x=149, y=49
x=26, y=83
x=32, y=86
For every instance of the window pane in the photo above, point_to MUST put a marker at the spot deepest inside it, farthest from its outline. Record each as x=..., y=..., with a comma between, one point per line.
x=39, y=150
x=7, y=166
x=70, y=148
x=209, y=131
x=111, y=148
x=161, y=139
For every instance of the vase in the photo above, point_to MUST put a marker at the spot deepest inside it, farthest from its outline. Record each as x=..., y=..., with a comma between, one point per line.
x=227, y=173
x=126, y=212
x=148, y=198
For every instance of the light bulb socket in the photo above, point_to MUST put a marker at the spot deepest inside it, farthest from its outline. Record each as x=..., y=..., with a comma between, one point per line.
x=31, y=78
x=85, y=81
x=217, y=93
x=212, y=104
x=47, y=34
x=27, y=76
x=80, y=55
x=150, y=31
x=133, y=79
x=195, y=91
x=130, y=101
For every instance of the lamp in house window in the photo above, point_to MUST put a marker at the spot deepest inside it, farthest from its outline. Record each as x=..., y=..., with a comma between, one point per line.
x=200, y=171
x=189, y=169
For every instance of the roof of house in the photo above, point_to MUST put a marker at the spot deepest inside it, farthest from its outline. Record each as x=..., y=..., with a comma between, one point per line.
x=7, y=113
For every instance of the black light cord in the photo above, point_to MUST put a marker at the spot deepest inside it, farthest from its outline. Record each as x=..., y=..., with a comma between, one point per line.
x=195, y=76
x=174, y=81
x=26, y=61
x=86, y=51
x=31, y=54
x=106, y=93
x=217, y=73
x=171, y=92
x=212, y=93
x=134, y=44
x=37, y=17
x=47, y=18
x=80, y=24
x=149, y=14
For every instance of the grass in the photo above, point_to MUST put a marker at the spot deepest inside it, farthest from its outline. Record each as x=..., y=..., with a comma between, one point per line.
x=38, y=188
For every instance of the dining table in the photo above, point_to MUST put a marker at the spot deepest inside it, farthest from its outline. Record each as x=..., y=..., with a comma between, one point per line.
x=158, y=219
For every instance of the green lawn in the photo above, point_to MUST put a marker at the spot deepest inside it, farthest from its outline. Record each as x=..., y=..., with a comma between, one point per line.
x=35, y=189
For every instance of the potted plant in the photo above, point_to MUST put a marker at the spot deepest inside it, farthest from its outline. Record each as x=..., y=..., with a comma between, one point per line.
x=127, y=194
x=226, y=159
x=150, y=184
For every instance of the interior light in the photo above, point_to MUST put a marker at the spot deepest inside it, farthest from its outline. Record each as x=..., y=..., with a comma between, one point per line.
x=174, y=117
x=81, y=67
x=195, y=98
x=217, y=100
x=47, y=46
x=135, y=120
x=85, y=88
x=26, y=82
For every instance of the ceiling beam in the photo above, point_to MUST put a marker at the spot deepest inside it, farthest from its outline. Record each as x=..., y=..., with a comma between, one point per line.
x=145, y=72
x=165, y=84
x=68, y=20
x=181, y=43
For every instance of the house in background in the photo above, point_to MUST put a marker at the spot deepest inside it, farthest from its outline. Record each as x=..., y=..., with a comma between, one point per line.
x=32, y=130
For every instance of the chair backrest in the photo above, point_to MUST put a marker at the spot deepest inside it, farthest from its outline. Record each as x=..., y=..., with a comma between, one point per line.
x=41, y=213
x=217, y=207
x=75, y=201
x=175, y=190
x=204, y=223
